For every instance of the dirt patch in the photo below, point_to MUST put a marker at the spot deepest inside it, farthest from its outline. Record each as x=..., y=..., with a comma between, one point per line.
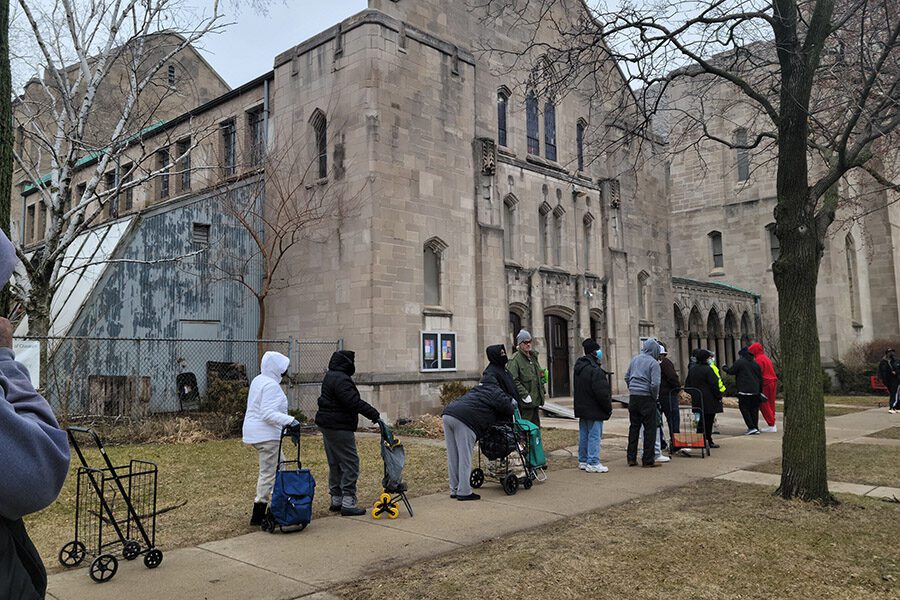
x=711, y=540
x=853, y=463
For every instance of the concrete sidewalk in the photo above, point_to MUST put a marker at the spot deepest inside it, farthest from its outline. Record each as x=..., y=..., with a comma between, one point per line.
x=335, y=550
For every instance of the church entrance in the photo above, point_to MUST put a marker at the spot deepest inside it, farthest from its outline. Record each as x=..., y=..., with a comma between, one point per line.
x=557, y=330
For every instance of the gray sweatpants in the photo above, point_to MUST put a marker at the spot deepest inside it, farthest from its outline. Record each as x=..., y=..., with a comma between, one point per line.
x=268, y=463
x=343, y=463
x=460, y=441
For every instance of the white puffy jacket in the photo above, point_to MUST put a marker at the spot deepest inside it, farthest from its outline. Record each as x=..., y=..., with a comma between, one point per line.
x=266, y=403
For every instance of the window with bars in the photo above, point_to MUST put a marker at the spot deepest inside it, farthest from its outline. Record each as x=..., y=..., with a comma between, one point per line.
x=163, y=166
x=171, y=76
x=531, y=123
x=200, y=235
x=550, y=131
x=183, y=148
x=229, y=148
x=502, y=105
x=257, y=131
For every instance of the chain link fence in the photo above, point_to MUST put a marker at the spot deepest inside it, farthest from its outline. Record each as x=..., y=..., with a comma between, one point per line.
x=123, y=377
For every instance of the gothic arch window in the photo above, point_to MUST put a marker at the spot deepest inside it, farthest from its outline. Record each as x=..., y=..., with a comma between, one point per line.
x=852, y=279
x=559, y=214
x=644, y=296
x=550, y=130
x=503, y=95
x=716, y=252
x=531, y=123
x=509, y=226
x=320, y=136
x=742, y=154
x=433, y=251
x=579, y=143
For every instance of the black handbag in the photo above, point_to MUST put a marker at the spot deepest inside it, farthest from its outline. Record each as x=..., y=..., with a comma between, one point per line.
x=498, y=442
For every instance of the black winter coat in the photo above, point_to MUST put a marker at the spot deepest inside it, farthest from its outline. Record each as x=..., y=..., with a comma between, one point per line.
x=593, y=398
x=702, y=377
x=747, y=374
x=481, y=408
x=888, y=372
x=495, y=373
x=22, y=574
x=668, y=381
x=339, y=402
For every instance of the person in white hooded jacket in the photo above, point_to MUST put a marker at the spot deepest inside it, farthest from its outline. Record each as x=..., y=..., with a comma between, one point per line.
x=266, y=415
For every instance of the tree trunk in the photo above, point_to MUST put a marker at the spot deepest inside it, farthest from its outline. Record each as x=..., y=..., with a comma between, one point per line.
x=39, y=323
x=6, y=138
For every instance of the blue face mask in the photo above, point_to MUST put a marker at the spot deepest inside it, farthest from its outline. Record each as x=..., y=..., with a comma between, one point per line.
x=599, y=354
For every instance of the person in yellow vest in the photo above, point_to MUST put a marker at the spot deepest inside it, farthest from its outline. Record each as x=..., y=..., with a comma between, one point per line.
x=715, y=368
x=529, y=378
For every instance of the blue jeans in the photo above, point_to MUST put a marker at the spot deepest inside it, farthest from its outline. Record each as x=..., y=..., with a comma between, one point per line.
x=589, y=435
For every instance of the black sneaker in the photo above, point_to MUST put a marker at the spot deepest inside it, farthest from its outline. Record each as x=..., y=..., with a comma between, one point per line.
x=453, y=495
x=334, y=508
x=713, y=445
x=632, y=462
x=472, y=496
x=352, y=511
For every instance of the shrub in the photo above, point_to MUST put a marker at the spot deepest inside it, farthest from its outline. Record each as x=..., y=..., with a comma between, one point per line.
x=852, y=378
x=226, y=396
x=452, y=390
x=826, y=382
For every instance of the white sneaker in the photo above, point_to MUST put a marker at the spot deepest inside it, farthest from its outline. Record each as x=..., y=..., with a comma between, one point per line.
x=661, y=458
x=891, y=410
x=772, y=429
x=598, y=468
x=685, y=452
x=752, y=432
x=582, y=466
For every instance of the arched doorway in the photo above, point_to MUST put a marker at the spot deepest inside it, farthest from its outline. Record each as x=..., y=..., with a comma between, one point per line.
x=680, y=341
x=731, y=337
x=556, y=329
x=515, y=325
x=714, y=335
x=695, y=327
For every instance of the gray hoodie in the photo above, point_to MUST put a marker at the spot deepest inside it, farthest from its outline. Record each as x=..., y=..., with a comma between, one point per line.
x=35, y=451
x=643, y=374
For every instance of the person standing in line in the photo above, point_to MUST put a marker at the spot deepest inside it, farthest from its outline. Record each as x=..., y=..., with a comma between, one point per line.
x=529, y=378
x=748, y=378
x=339, y=408
x=668, y=402
x=643, y=379
x=889, y=375
x=266, y=414
x=496, y=372
x=708, y=400
x=593, y=406
x=770, y=387
x=465, y=421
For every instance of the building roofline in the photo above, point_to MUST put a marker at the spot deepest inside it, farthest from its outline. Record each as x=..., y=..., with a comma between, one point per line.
x=712, y=285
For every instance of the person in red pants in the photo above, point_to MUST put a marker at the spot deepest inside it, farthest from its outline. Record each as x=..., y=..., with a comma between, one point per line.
x=770, y=386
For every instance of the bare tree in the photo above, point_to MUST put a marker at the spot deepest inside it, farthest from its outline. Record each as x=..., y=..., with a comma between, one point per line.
x=6, y=136
x=102, y=83
x=298, y=194
x=821, y=79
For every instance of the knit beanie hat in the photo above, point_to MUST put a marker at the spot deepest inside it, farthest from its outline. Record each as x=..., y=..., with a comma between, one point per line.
x=590, y=347
x=523, y=336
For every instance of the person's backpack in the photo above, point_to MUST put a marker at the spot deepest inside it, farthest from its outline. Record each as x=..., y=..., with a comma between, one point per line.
x=22, y=574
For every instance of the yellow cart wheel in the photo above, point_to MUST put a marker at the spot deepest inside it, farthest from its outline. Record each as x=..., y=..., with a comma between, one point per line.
x=376, y=512
x=393, y=511
x=385, y=498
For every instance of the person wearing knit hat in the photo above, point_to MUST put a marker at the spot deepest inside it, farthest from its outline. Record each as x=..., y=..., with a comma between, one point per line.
x=528, y=375
x=593, y=406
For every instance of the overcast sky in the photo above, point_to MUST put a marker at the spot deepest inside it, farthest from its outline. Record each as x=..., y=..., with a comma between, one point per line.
x=247, y=48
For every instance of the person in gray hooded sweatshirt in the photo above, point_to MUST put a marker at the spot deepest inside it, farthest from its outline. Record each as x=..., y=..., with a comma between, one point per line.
x=35, y=454
x=643, y=378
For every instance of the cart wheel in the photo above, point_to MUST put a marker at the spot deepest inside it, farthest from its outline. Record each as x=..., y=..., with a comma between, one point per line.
x=71, y=554
x=527, y=483
x=510, y=484
x=131, y=550
x=476, y=480
x=153, y=559
x=104, y=567
x=268, y=523
x=393, y=510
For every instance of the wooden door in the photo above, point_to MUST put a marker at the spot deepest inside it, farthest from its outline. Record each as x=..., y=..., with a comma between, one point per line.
x=557, y=332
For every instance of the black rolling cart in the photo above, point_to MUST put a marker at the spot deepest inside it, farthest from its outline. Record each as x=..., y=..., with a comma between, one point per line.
x=115, y=513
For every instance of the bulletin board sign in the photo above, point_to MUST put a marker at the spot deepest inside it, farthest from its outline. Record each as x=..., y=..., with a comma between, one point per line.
x=437, y=351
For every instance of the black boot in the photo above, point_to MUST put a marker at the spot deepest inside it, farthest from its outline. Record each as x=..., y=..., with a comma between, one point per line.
x=259, y=511
x=349, y=508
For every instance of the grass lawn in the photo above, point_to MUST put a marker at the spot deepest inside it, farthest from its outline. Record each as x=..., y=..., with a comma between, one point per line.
x=864, y=401
x=892, y=434
x=709, y=540
x=831, y=411
x=217, y=480
x=854, y=463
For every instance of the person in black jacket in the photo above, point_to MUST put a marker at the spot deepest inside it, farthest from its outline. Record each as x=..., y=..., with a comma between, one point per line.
x=466, y=420
x=749, y=380
x=593, y=405
x=708, y=401
x=496, y=372
x=668, y=402
x=337, y=418
x=889, y=375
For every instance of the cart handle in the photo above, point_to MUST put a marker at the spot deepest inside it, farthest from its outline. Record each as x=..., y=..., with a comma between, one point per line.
x=74, y=441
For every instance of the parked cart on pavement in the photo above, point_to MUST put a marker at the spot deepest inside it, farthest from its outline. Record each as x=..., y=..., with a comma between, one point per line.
x=514, y=453
x=690, y=434
x=115, y=513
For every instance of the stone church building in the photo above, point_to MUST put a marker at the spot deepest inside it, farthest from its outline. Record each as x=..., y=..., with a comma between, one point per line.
x=474, y=198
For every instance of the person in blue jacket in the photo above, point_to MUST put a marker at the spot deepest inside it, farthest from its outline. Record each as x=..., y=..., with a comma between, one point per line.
x=35, y=453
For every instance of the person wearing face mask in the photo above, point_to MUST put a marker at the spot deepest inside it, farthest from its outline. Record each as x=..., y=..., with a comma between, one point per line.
x=703, y=378
x=496, y=373
x=266, y=414
x=593, y=406
x=339, y=408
